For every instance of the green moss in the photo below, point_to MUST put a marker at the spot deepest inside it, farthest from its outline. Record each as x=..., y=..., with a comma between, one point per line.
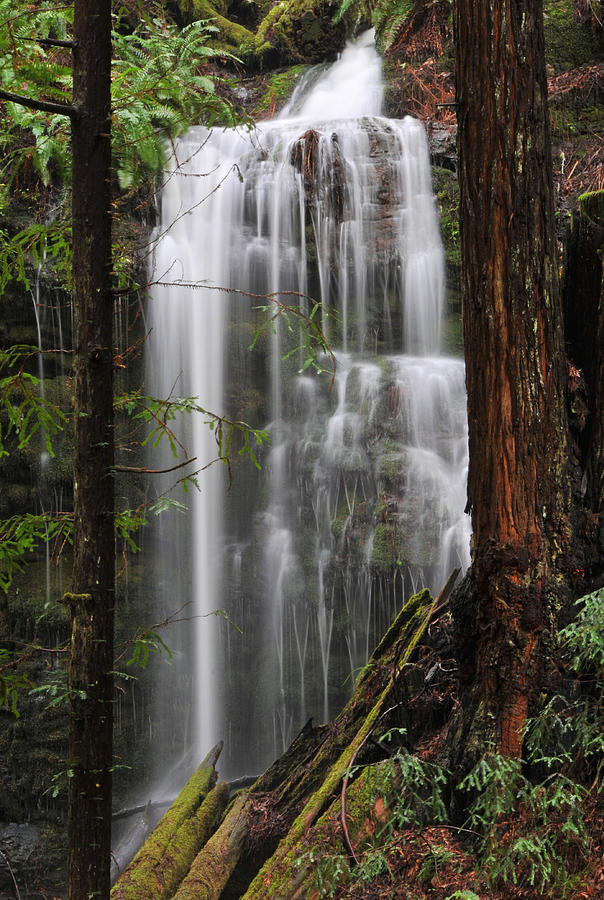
x=232, y=37
x=390, y=469
x=591, y=205
x=452, y=335
x=300, y=31
x=140, y=878
x=388, y=552
x=278, y=90
x=569, y=43
x=447, y=195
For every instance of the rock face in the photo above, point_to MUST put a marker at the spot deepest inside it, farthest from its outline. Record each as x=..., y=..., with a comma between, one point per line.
x=18, y=846
x=284, y=33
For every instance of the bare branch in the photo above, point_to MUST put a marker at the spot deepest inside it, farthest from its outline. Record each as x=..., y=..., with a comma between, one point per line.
x=62, y=109
x=51, y=42
x=144, y=471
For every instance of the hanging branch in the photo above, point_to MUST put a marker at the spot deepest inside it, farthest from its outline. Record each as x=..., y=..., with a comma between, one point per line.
x=144, y=471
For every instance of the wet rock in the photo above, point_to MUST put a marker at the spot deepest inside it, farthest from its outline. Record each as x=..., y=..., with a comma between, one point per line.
x=19, y=844
x=442, y=140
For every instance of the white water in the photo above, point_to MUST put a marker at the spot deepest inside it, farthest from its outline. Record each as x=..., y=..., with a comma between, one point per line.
x=360, y=501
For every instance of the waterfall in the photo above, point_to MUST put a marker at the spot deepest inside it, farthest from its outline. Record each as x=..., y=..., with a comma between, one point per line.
x=359, y=501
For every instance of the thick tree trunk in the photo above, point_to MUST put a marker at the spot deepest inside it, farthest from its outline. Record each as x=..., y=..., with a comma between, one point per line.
x=518, y=486
x=90, y=680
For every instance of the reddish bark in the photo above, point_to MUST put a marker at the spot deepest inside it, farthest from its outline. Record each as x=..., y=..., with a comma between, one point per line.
x=518, y=489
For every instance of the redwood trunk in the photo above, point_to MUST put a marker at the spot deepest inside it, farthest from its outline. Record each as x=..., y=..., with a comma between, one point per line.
x=89, y=798
x=513, y=332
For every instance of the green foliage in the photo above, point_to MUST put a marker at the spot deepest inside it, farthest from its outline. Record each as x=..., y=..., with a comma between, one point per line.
x=146, y=644
x=160, y=86
x=27, y=64
x=36, y=246
x=389, y=16
x=21, y=535
x=11, y=682
x=550, y=817
x=310, y=342
x=157, y=415
x=571, y=731
x=24, y=412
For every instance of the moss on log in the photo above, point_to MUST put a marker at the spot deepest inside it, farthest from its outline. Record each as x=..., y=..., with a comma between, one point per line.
x=153, y=872
x=280, y=876
x=301, y=31
x=317, y=750
x=212, y=867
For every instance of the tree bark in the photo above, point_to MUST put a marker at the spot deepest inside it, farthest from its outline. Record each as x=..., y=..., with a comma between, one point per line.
x=518, y=484
x=92, y=601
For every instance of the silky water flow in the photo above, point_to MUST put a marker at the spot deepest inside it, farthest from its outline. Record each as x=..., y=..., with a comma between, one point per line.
x=359, y=499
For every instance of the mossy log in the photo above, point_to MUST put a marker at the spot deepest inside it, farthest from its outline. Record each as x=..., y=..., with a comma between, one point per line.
x=213, y=865
x=232, y=36
x=281, y=875
x=166, y=855
x=298, y=774
x=368, y=801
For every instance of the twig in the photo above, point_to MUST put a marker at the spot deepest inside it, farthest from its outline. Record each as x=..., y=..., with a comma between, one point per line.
x=12, y=874
x=143, y=470
x=126, y=813
x=50, y=42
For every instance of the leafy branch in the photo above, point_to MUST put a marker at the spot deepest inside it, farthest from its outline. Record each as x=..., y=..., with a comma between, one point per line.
x=313, y=341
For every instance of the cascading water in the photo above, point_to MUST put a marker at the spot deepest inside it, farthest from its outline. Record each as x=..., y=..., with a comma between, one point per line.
x=361, y=494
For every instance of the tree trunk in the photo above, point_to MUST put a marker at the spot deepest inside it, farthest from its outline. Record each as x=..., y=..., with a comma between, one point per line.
x=518, y=483
x=92, y=601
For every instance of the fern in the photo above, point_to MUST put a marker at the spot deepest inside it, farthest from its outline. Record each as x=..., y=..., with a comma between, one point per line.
x=388, y=18
x=159, y=89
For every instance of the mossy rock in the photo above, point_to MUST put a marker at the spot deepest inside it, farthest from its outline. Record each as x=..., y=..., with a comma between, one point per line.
x=300, y=31
x=232, y=37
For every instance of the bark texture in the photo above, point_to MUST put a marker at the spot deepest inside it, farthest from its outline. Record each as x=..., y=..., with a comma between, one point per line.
x=92, y=600
x=518, y=488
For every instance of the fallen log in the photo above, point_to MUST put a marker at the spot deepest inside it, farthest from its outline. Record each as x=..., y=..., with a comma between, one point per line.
x=282, y=876
x=215, y=862
x=141, y=808
x=292, y=785
x=159, y=865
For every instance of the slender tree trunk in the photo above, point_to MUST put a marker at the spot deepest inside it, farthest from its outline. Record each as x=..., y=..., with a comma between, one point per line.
x=89, y=799
x=518, y=487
